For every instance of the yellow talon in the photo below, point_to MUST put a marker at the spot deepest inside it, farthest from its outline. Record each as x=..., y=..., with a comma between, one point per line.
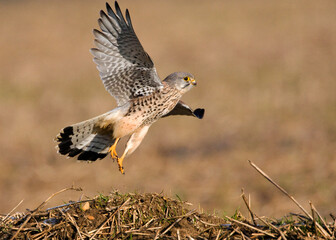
x=112, y=149
x=120, y=161
x=114, y=155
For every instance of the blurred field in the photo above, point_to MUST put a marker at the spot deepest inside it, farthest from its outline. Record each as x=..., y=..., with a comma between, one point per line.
x=266, y=76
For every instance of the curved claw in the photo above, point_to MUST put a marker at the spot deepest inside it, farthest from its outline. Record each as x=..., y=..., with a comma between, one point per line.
x=114, y=154
x=113, y=151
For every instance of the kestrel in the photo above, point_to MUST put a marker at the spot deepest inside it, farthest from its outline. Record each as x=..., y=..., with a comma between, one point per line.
x=129, y=75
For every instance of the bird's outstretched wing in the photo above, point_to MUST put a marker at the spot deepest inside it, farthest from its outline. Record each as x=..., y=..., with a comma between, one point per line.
x=183, y=109
x=125, y=68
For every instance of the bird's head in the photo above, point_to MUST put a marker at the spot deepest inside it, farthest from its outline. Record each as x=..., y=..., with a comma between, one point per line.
x=182, y=81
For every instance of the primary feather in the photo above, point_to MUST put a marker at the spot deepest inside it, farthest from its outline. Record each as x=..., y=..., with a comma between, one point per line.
x=124, y=66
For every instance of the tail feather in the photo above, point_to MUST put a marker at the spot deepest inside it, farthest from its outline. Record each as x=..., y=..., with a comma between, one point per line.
x=81, y=139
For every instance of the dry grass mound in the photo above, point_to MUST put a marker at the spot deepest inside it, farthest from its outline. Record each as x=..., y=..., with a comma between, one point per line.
x=148, y=216
x=120, y=216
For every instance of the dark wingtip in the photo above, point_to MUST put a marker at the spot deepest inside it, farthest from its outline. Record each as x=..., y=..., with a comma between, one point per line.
x=199, y=113
x=109, y=9
x=108, y=6
x=96, y=31
x=102, y=13
x=128, y=18
x=116, y=5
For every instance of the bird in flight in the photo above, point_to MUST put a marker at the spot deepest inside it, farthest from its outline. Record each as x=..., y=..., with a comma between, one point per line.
x=129, y=75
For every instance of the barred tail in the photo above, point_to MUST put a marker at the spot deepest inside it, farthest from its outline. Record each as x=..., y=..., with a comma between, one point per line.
x=84, y=140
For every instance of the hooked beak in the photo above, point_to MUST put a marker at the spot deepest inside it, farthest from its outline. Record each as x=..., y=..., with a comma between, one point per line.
x=193, y=81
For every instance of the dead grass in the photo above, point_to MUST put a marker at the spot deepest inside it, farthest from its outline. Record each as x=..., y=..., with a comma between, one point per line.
x=118, y=216
x=151, y=216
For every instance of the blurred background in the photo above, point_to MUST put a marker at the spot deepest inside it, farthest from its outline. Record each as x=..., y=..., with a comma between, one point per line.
x=266, y=76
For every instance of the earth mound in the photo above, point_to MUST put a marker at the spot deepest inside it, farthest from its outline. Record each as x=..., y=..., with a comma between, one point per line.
x=147, y=216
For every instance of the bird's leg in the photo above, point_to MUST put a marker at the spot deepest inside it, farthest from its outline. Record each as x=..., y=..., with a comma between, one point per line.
x=112, y=149
x=132, y=144
x=120, y=161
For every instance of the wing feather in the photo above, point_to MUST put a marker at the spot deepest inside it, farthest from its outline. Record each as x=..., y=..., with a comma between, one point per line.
x=128, y=19
x=106, y=24
x=102, y=38
x=124, y=66
x=183, y=109
x=120, y=15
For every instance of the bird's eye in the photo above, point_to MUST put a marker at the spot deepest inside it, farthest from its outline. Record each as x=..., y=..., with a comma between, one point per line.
x=186, y=78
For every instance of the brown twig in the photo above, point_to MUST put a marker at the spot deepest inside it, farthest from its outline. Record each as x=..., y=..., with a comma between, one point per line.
x=233, y=232
x=323, y=232
x=218, y=234
x=280, y=188
x=272, y=226
x=318, y=214
x=248, y=206
x=249, y=226
x=54, y=194
x=314, y=220
x=40, y=206
x=242, y=234
x=73, y=223
x=178, y=220
x=11, y=211
x=157, y=234
x=255, y=215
